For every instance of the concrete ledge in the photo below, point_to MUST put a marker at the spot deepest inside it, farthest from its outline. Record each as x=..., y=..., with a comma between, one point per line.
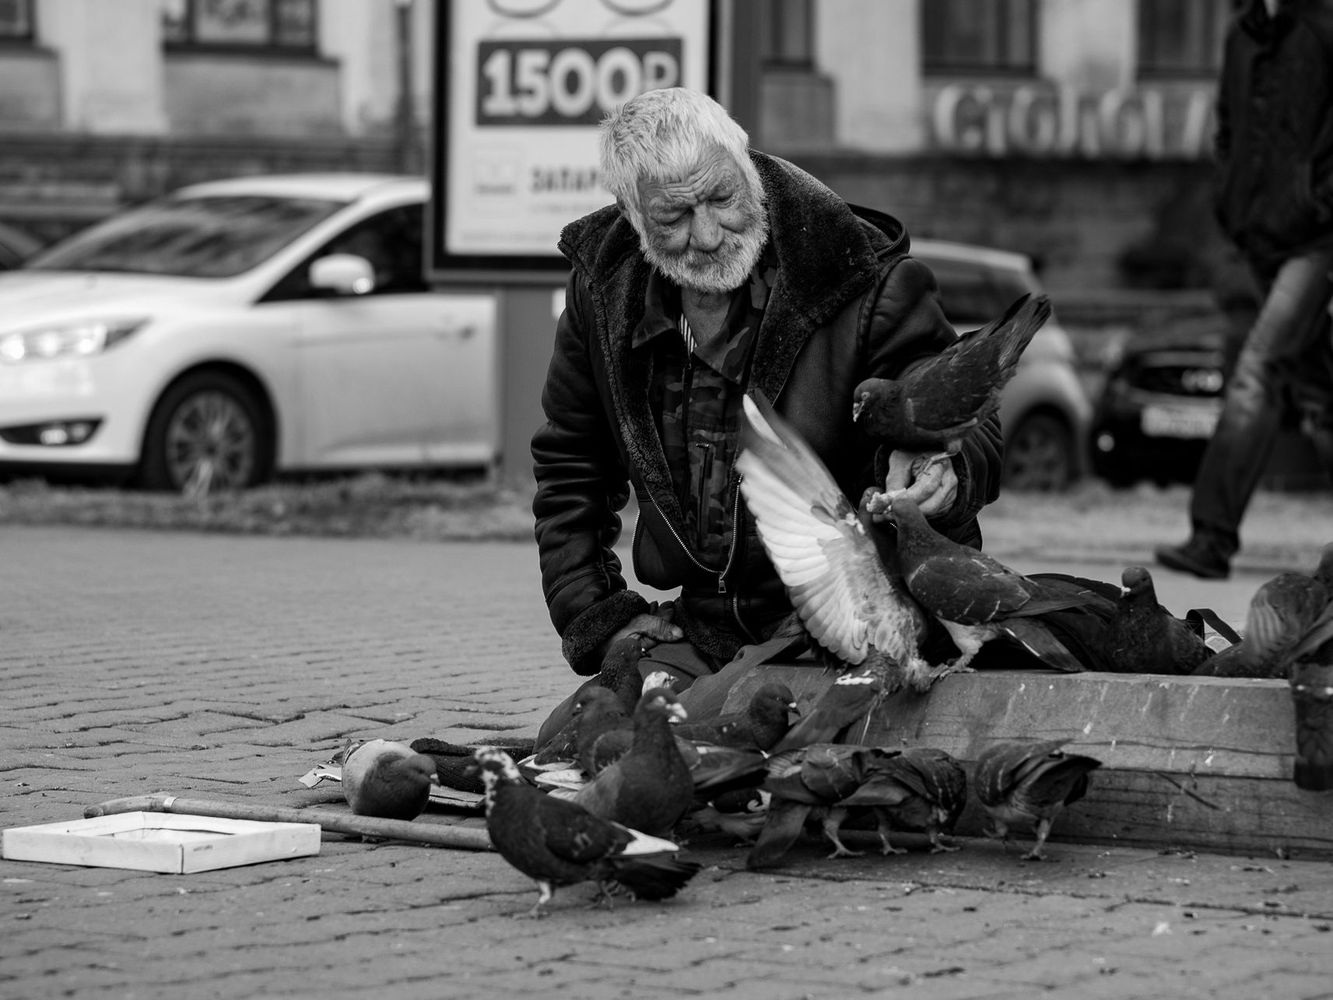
x=1200, y=763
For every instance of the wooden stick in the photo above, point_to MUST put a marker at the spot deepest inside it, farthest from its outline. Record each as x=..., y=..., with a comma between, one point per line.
x=465, y=838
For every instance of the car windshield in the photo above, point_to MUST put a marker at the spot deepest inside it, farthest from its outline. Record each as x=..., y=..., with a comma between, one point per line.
x=193, y=237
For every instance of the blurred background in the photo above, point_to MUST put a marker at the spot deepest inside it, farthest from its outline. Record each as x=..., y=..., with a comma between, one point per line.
x=1075, y=134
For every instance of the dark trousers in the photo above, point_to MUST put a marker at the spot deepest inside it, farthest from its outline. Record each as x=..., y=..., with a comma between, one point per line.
x=1285, y=360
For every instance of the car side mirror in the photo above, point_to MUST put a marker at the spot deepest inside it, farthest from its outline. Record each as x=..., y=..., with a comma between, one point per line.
x=342, y=274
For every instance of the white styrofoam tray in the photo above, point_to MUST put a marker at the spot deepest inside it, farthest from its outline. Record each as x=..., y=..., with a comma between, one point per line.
x=160, y=842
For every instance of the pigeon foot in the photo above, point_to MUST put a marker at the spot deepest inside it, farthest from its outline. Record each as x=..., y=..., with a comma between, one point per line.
x=840, y=851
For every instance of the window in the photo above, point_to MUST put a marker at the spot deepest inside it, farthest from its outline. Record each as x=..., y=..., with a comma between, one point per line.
x=978, y=36
x=15, y=20
x=1182, y=37
x=249, y=24
x=785, y=35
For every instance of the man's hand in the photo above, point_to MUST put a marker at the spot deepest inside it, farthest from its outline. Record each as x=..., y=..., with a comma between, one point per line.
x=648, y=629
x=926, y=477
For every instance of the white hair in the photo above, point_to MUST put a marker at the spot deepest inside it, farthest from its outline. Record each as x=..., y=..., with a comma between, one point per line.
x=664, y=134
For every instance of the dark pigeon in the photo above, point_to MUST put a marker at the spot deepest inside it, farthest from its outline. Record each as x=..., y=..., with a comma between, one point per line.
x=557, y=843
x=1029, y=784
x=764, y=721
x=934, y=404
x=919, y=788
x=808, y=779
x=1144, y=637
x=1289, y=616
x=975, y=596
x=649, y=788
x=387, y=779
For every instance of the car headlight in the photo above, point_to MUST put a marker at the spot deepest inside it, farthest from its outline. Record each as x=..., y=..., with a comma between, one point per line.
x=76, y=339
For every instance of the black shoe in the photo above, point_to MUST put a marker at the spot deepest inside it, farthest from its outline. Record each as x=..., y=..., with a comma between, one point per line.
x=1196, y=556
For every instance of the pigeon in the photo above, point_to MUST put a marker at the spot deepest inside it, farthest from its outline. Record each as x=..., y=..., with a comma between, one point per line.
x=765, y=720
x=1145, y=637
x=620, y=670
x=1030, y=783
x=602, y=729
x=1289, y=616
x=826, y=557
x=847, y=699
x=558, y=843
x=919, y=788
x=595, y=710
x=387, y=779
x=808, y=779
x=649, y=788
x=936, y=402
x=973, y=595
x=1312, y=696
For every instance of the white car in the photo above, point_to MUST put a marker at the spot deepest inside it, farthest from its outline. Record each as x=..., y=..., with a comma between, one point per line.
x=240, y=328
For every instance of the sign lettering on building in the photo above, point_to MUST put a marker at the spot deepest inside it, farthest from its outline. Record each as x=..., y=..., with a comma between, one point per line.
x=1041, y=120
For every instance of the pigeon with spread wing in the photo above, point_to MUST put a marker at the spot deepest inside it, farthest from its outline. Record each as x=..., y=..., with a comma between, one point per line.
x=826, y=558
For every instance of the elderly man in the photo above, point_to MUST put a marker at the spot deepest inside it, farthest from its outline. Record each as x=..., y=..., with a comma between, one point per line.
x=718, y=270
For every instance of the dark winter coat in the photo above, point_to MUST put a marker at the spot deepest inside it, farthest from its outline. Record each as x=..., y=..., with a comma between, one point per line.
x=1274, y=142
x=847, y=304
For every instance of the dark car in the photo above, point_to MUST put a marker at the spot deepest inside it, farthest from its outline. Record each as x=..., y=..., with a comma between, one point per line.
x=1161, y=401
x=1160, y=404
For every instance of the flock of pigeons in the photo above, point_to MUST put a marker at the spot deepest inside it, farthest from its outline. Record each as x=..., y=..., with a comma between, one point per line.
x=608, y=798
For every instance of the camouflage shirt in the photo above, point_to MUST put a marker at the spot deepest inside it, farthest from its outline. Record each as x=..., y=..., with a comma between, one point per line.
x=697, y=396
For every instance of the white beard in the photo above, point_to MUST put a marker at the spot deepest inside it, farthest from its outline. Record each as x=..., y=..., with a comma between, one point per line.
x=723, y=271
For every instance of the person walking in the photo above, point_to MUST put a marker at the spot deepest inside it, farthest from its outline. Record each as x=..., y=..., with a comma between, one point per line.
x=1274, y=200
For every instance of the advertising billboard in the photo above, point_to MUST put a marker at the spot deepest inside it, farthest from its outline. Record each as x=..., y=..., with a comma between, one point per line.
x=520, y=86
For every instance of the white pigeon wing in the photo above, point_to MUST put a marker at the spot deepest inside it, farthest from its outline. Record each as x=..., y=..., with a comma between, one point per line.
x=811, y=533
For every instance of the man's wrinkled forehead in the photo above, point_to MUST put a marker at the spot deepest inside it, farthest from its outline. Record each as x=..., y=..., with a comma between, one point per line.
x=714, y=173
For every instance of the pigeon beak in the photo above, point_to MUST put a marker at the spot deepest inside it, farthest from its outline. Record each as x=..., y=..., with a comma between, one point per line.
x=793, y=708
x=676, y=712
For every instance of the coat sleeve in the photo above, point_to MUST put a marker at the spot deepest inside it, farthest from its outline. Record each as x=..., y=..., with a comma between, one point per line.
x=908, y=324
x=582, y=486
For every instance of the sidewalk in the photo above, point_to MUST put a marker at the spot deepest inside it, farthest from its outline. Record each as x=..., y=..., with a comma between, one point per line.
x=223, y=667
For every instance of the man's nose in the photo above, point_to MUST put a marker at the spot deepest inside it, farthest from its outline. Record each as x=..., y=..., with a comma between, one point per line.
x=705, y=230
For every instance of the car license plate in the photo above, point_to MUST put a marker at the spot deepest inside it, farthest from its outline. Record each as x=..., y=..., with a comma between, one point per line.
x=1178, y=421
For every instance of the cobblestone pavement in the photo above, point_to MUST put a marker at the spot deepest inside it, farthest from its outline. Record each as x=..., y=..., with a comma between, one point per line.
x=225, y=667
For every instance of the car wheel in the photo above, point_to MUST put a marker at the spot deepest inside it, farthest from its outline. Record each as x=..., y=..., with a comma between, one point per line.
x=207, y=434
x=1039, y=454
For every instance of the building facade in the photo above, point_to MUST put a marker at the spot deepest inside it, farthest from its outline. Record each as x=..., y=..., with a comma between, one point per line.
x=1076, y=130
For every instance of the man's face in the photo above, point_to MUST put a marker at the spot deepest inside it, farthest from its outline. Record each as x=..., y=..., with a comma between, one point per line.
x=704, y=230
